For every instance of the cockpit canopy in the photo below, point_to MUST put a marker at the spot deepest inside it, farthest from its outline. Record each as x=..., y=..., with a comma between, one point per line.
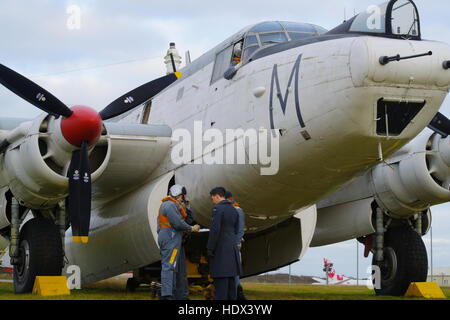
x=274, y=32
x=396, y=18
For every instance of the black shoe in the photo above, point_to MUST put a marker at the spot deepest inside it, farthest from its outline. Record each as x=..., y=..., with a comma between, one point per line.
x=240, y=294
x=165, y=298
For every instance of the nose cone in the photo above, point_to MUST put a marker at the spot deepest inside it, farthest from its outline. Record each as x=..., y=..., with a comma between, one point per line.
x=84, y=124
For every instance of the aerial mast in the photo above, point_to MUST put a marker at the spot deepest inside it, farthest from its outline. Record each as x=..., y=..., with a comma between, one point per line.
x=172, y=59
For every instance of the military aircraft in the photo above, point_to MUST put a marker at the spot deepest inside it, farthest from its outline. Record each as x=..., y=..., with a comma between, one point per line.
x=346, y=109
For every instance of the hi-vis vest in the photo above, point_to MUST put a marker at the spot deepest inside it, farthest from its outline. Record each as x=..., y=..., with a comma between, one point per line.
x=163, y=220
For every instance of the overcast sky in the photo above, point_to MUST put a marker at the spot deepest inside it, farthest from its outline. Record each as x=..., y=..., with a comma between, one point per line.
x=121, y=43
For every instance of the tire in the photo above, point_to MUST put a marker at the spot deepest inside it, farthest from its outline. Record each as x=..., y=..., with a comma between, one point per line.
x=41, y=254
x=406, y=261
x=132, y=285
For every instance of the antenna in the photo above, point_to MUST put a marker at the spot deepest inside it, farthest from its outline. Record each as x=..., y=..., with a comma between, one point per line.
x=345, y=14
x=188, y=57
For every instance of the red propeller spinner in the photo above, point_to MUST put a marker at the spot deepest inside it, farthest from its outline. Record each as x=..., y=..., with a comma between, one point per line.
x=85, y=124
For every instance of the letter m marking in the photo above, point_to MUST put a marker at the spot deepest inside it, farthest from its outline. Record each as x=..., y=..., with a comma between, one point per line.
x=284, y=100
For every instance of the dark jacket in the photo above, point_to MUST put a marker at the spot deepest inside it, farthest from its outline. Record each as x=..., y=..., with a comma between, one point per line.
x=224, y=258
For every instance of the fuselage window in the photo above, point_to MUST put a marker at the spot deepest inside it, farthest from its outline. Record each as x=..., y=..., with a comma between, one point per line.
x=222, y=63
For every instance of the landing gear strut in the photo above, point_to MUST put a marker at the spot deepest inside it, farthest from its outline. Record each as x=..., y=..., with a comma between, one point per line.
x=404, y=260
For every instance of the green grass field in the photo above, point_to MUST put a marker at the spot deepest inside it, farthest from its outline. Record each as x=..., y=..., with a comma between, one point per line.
x=115, y=290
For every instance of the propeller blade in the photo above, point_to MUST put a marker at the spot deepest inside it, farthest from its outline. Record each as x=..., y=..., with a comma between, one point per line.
x=80, y=193
x=31, y=92
x=138, y=96
x=74, y=193
x=441, y=125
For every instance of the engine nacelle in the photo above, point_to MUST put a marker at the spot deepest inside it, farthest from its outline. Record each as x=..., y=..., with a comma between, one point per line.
x=36, y=163
x=411, y=181
x=416, y=178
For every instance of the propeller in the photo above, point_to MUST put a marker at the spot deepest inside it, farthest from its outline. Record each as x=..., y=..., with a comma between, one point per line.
x=441, y=125
x=81, y=127
x=33, y=93
x=138, y=96
x=80, y=193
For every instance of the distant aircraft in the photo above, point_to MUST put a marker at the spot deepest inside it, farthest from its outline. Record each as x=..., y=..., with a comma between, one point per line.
x=335, y=279
x=348, y=108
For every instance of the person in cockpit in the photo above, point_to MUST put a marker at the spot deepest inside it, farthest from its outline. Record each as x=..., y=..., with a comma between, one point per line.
x=237, y=54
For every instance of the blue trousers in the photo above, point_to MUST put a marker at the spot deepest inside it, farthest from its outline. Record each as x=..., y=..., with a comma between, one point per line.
x=226, y=288
x=172, y=255
x=181, y=288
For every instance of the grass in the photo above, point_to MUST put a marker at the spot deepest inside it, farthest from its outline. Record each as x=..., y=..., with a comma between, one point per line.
x=309, y=292
x=115, y=290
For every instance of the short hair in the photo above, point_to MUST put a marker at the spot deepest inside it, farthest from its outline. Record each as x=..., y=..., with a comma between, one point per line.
x=218, y=191
x=228, y=195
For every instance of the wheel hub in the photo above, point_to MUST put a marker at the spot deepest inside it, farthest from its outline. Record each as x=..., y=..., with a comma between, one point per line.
x=388, y=266
x=23, y=261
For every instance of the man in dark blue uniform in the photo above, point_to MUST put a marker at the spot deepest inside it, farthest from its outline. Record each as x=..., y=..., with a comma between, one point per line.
x=239, y=240
x=223, y=251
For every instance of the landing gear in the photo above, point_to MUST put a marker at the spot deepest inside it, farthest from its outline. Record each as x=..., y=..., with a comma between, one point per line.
x=132, y=285
x=404, y=261
x=40, y=253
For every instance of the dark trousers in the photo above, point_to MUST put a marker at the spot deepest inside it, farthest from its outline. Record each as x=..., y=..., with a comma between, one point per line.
x=225, y=288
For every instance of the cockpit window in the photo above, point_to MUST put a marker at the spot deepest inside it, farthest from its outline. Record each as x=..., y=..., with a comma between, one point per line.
x=251, y=40
x=267, y=26
x=404, y=19
x=272, y=38
x=395, y=18
x=298, y=27
x=270, y=33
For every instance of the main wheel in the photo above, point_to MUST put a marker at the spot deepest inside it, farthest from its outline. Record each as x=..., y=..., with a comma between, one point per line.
x=405, y=261
x=40, y=254
x=132, y=285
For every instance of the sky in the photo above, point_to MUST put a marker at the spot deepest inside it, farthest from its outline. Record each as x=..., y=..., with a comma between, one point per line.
x=120, y=45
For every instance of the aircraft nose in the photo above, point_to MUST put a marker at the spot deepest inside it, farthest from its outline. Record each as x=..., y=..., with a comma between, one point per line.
x=429, y=71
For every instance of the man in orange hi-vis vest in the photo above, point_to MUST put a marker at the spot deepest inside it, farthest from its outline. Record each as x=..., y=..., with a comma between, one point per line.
x=171, y=227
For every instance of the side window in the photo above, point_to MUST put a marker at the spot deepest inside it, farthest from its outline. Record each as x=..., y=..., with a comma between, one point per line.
x=221, y=64
x=404, y=19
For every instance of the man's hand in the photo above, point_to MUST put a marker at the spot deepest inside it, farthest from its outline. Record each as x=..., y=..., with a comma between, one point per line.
x=195, y=228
